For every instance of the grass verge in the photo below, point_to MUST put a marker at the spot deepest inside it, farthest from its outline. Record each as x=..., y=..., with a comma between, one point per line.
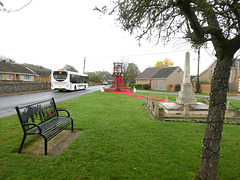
x=119, y=141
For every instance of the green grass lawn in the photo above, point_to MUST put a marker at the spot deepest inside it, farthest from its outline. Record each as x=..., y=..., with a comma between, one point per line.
x=119, y=141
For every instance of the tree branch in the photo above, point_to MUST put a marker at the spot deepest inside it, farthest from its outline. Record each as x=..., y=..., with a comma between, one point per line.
x=235, y=43
x=187, y=10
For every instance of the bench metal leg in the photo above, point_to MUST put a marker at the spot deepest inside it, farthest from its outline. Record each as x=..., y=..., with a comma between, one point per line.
x=72, y=125
x=21, y=146
x=45, y=142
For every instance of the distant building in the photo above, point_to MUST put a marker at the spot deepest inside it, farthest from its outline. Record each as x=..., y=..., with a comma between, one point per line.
x=15, y=72
x=205, y=78
x=11, y=72
x=41, y=73
x=146, y=75
x=168, y=79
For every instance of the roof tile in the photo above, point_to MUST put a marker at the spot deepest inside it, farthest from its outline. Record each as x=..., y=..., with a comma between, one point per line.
x=164, y=72
x=148, y=73
x=13, y=68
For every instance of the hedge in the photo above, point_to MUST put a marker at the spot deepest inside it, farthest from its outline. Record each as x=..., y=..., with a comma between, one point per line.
x=141, y=86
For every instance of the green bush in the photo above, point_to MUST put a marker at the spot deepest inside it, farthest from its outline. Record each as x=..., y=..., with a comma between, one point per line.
x=141, y=86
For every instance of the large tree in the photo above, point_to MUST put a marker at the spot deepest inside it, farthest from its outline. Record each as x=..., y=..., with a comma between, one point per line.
x=129, y=70
x=69, y=68
x=93, y=77
x=166, y=63
x=131, y=73
x=199, y=21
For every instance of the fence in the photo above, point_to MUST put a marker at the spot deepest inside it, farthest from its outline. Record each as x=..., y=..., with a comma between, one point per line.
x=153, y=108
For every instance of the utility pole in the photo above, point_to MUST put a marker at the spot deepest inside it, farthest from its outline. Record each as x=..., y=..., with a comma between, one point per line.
x=84, y=65
x=198, y=84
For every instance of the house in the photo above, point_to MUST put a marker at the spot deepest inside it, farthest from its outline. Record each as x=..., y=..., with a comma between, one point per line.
x=168, y=79
x=10, y=72
x=146, y=75
x=41, y=73
x=234, y=80
x=205, y=78
x=16, y=78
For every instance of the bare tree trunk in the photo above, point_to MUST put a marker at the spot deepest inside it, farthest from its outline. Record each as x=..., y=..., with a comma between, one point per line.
x=215, y=120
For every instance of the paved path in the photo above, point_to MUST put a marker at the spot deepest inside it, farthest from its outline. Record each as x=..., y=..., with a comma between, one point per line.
x=237, y=97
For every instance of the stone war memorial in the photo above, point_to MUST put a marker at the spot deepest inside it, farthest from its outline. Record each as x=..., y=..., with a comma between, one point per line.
x=185, y=103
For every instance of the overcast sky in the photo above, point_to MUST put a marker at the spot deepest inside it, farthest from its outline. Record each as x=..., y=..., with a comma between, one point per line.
x=53, y=33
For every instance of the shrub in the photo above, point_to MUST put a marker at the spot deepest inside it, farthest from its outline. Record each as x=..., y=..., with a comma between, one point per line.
x=141, y=86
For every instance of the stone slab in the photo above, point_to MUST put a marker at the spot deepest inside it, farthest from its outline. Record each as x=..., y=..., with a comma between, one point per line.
x=174, y=108
x=55, y=145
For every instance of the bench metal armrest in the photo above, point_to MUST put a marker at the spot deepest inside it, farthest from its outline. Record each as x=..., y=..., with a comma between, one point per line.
x=33, y=124
x=65, y=111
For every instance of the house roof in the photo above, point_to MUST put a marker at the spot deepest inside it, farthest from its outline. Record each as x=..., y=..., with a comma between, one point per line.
x=43, y=73
x=148, y=73
x=164, y=72
x=14, y=68
x=210, y=66
x=39, y=70
x=234, y=65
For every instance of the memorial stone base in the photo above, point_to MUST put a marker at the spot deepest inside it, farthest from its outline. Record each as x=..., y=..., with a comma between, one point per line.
x=186, y=95
x=175, y=108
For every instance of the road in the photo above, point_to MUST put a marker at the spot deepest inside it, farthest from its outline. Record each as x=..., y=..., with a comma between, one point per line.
x=8, y=103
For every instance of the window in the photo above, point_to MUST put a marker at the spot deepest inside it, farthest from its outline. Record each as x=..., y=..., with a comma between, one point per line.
x=9, y=77
x=60, y=75
x=78, y=79
x=27, y=78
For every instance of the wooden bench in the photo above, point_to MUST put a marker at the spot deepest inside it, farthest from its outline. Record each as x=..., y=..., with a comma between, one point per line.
x=43, y=118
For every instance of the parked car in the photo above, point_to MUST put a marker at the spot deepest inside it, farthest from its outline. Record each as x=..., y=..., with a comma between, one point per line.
x=105, y=83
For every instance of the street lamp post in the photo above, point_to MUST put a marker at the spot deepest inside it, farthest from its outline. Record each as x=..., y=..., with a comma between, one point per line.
x=198, y=84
